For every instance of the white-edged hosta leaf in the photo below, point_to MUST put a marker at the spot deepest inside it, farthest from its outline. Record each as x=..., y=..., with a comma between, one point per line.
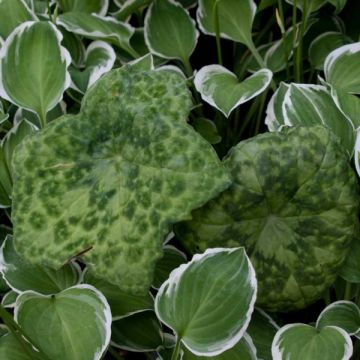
x=343, y=314
x=22, y=276
x=139, y=332
x=262, y=330
x=111, y=190
x=12, y=14
x=169, y=30
x=304, y=342
x=209, y=313
x=41, y=69
x=85, y=6
x=99, y=59
x=144, y=63
x=9, y=299
x=207, y=129
x=323, y=45
x=171, y=259
x=221, y=88
x=98, y=27
x=172, y=68
x=235, y=18
x=243, y=350
x=308, y=5
x=307, y=104
x=12, y=349
x=342, y=69
x=74, y=44
x=73, y=325
x=122, y=304
x=350, y=271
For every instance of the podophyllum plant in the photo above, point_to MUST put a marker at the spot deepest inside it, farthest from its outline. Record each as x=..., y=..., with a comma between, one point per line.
x=143, y=213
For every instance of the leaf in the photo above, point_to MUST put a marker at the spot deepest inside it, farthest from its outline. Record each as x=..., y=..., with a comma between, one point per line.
x=99, y=59
x=73, y=325
x=12, y=14
x=235, y=19
x=41, y=69
x=207, y=129
x=121, y=303
x=343, y=314
x=221, y=88
x=12, y=349
x=339, y=4
x=293, y=206
x=169, y=30
x=22, y=276
x=98, y=27
x=111, y=190
x=304, y=342
x=85, y=6
x=308, y=5
x=75, y=47
x=342, y=70
x=350, y=270
x=215, y=317
x=9, y=299
x=139, y=332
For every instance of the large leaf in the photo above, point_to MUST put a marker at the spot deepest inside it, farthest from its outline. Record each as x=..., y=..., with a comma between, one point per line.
x=41, y=69
x=85, y=6
x=73, y=325
x=169, y=30
x=110, y=181
x=293, y=206
x=208, y=313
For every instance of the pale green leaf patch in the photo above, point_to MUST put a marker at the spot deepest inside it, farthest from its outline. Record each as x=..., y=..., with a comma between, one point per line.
x=221, y=88
x=99, y=7
x=209, y=314
x=74, y=324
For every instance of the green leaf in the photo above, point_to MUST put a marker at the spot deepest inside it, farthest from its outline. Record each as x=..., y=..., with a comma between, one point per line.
x=350, y=270
x=12, y=14
x=304, y=342
x=308, y=5
x=343, y=314
x=99, y=59
x=75, y=47
x=12, y=349
x=293, y=206
x=235, y=19
x=98, y=27
x=207, y=129
x=121, y=303
x=9, y=299
x=85, y=6
x=41, y=69
x=112, y=189
x=209, y=314
x=169, y=30
x=22, y=276
x=221, y=88
x=342, y=69
x=73, y=325
x=139, y=332
x=339, y=4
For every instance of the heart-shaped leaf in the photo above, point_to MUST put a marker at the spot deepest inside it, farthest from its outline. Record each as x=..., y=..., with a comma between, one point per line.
x=88, y=6
x=41, y=69
x=209, y=314
x=304, y=342
x=112, y=189
x=73, y=325
x=221, y=88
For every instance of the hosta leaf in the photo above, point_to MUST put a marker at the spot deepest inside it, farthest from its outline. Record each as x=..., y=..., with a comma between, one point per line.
x=85, y=6
x=9, y=299
x=303, y=342
x=99, y=59
x=293, y=206
x=221, y=88
x=343, y=314
x=12, y=14
x=73, y=325
x=169, y=30
x=75, y=47
x=139, y=332
x=111, y=189
x=22, y=276
x=121, y=303
x=348, y=104
x=235, y=18
x=41, y=69
x=342, y=69
x=207, y=129
x=308, y=5
x=339, y=4
x=209, y=314
x=12, y=349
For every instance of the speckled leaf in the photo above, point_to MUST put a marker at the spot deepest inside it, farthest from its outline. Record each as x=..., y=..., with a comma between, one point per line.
x=12, y=349
x=73, y=325
x=111, y=189
x=293, y=206
x=304, y=342
x=85, y=6
x=209, y=314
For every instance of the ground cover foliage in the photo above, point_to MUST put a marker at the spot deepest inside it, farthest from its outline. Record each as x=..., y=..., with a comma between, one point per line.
x=179, y=179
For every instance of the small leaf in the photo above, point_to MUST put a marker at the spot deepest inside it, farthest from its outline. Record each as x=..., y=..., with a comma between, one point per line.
x=169, y=30
x=214, y=318
x=207, y=129
x=9, y=299
x=221, y=88
x=73, y=325
x=342, y=69
x=300, y=342
x=343, y=314
x=85, y=6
